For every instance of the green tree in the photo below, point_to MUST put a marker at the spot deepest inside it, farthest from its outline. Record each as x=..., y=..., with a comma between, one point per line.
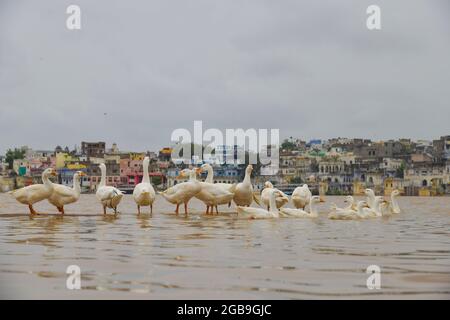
x=156, y=180
x=287, y=145
x=12, y=155
x=296, y=180
x=400, y=172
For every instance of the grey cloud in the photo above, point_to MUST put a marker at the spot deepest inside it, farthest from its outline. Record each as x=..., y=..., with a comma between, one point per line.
x=310, y=68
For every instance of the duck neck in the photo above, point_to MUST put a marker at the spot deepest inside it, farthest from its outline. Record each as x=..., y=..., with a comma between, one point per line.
x=376, y=208
x=371, y=200
x=103, y=178
x=350, y=204
x=145, y=177
x=247, y=178
x=76, y=183
x=192, y=176
x=360, y=210
x=272, y=203
x=312, y=207
x=210, y=175
x=46, y=181
x=394, y=203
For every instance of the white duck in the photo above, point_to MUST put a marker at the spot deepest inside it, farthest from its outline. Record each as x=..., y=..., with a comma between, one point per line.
x=183, y=192
x=36, y=192
x=300, y=213
x=244, y=195
x=143, y=193
x=351, y=205
x=214, y=194
x=301, y=196
x=260, y=213
x=109, y=196
x=375, y=210
x=63, y=195
x=370, y=197
x=350, y=214
x=280, y=200
x=210, y=177
x=393, y=206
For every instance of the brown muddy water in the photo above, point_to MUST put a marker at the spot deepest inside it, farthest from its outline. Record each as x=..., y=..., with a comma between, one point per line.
x=165, y=256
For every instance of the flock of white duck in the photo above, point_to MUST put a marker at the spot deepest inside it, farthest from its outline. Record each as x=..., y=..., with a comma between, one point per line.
x=271, y=202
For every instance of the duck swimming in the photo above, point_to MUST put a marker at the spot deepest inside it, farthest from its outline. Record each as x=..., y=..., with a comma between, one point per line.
x=301, y=196
x=280, y=200
x=300, y=213
x=260, y=213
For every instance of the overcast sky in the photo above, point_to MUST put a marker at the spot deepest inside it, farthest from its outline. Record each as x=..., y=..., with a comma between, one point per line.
x=137, y=70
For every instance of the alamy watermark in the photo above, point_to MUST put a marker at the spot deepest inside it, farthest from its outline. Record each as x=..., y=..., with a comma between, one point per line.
x=374, y=280
x=234, y=146
x=73, y=281
x=373, y=21
x=73, y=21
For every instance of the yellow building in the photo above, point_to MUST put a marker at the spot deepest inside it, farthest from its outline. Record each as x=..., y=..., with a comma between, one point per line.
x=424, y=192
x=358, y=188
x=62, y=158
x=391, y=184
x=76, y=166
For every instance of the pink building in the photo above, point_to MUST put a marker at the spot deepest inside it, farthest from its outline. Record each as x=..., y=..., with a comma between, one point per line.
x=131, y=171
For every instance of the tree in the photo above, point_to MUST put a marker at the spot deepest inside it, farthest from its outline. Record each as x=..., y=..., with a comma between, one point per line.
x=400, y=172
x=296, y=180
x=287, y=145
x=12, y=155
x=157, y=180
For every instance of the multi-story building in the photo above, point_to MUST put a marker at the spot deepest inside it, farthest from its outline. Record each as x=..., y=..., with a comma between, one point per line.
x=113, y=177
x=441, y=149
x=93, y=149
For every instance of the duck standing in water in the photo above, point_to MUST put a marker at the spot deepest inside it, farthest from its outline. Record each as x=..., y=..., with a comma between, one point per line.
x=243, y=195
x=143, y=193
x=214, y=194
x=64, y=195
x=183, y=192
x=109, y=196
x=36, y=192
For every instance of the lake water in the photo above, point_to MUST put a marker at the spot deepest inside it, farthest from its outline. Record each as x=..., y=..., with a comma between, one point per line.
x=166, y=256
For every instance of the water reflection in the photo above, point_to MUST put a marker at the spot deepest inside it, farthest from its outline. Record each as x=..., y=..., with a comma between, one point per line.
x=168, y=256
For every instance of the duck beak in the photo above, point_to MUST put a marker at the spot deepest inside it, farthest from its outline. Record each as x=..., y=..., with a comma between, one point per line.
x=82, y=174
x=198, y=170
x=54, y=173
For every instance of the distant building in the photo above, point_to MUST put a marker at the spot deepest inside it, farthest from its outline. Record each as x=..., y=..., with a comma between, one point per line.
x=165, y=154
x=93, y=149
x=441, y=149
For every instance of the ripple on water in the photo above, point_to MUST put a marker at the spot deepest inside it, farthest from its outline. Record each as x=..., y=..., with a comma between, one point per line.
x=168, y=256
